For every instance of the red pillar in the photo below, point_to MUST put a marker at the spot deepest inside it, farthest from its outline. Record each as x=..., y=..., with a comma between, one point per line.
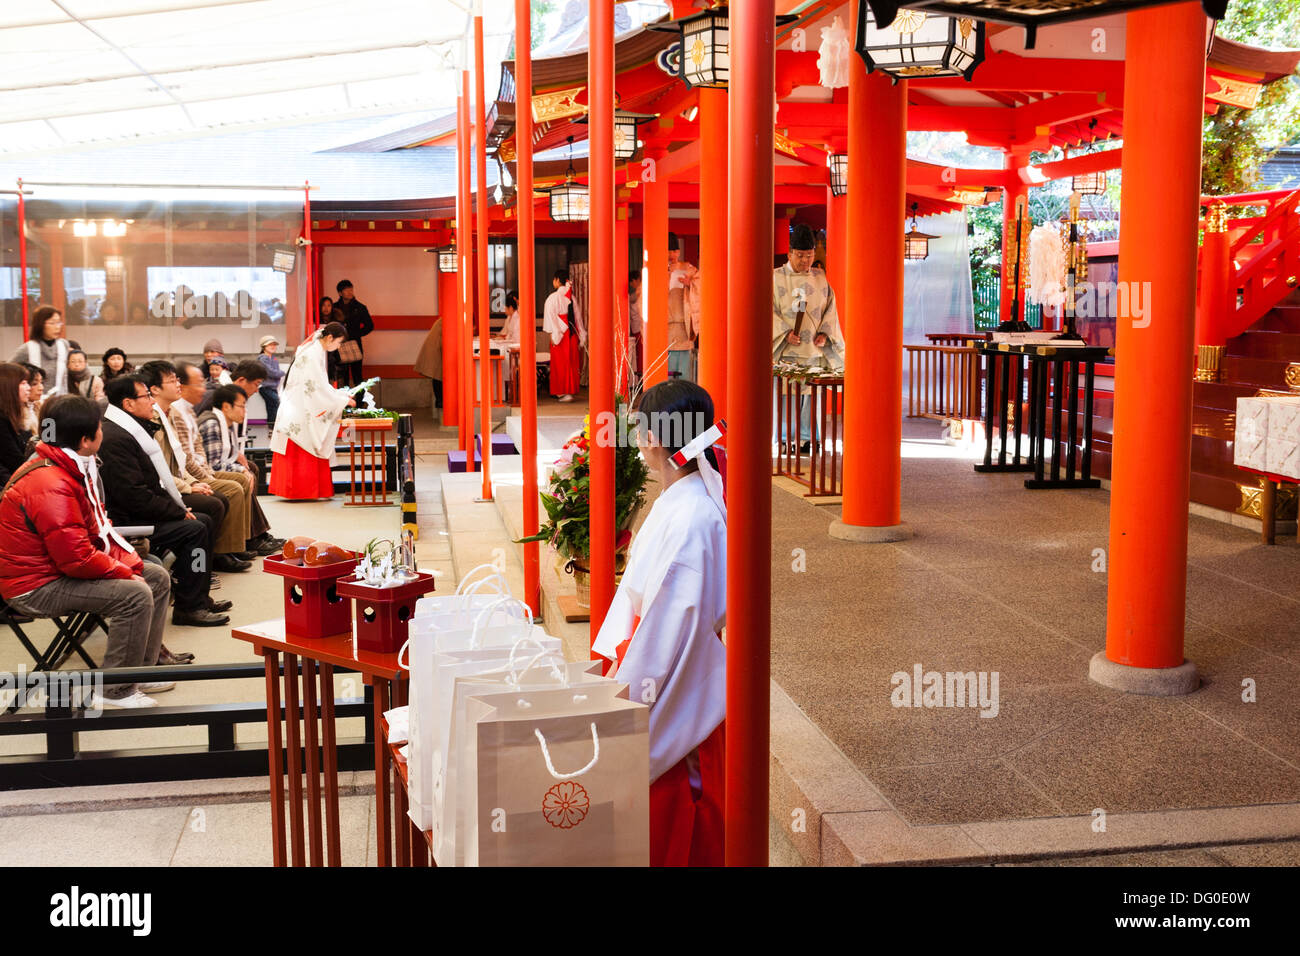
x=311, y=308
x=654, y=242
x=448, y=308
x=1216, y=294
x=622, y=373
x=483, y=220
x=713, y=246
x=749, y=439
x=873, y=369
x=527, y=293
x=22, y=258
x=464, y=245
x=1164, y=85
x=600, y=323
x=837, y=237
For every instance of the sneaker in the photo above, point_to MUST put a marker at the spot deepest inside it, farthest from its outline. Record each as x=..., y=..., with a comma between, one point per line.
x=199, y=617
x=138, y=699
x=158, y=686
x=219, y=607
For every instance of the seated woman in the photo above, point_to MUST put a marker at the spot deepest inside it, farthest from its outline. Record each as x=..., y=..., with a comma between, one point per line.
x=35, y=396
x=14, y=391
x=307, y=426
x=663, y=628
x=81, y=381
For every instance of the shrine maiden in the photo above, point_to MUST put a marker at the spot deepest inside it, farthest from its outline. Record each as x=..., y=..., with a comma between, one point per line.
x=663, y=628
x=307, y=425
x=683, y=312
x=805, y=322
x=561, y=321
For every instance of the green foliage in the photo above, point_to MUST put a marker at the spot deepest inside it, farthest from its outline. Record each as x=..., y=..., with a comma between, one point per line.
x=1237, y=142
x=567, y=500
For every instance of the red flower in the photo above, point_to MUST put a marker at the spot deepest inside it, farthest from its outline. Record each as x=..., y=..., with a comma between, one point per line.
x=565, y=805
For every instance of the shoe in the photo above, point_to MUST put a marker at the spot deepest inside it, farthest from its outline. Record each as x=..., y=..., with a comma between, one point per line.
x=219, y=607
x=262, y=549
x=805, y=448
x=248, y=556
x=565, y=398
x=228, y=563
x=138, y=699
x=265, y=539
x=158, y=686
x=199, y=617
x=214, y=583
x=167, y=659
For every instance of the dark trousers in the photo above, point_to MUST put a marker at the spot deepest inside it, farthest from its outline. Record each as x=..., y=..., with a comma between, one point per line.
x=350, y=374
x=210, y=509
x=272, y=399
x=258, y=525
x=189, y=541
x=437, y=392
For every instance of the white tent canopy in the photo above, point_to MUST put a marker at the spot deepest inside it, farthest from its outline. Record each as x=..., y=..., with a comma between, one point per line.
x=76, y=72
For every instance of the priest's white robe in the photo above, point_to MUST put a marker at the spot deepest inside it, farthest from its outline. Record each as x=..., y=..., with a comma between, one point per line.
x=676, y=585
x=310, y=408
x=810, y=289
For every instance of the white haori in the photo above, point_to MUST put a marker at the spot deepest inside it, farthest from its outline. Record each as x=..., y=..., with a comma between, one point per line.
x=676, y=584
x=310, y=408
x=813, y=292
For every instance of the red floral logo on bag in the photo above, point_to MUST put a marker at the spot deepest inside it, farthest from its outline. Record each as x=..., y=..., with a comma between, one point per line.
x=565, y=805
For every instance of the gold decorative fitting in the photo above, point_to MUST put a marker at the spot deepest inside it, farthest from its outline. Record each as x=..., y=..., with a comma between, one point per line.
x=784, y=144
x=1236, y=93
x=506, y=151
x=1284, y=503
x=907, y=21
x=1292, y=376
x=1208, y=360
x=1216, y=219
x=558, y=104
x=920, y=71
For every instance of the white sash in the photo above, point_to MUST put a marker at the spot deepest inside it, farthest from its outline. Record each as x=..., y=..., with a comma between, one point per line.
x=90, y=478
x=134, y=429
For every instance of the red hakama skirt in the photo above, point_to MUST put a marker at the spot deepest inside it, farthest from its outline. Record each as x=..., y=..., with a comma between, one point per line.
x=300, y=475
x=566, y=365
x=686, y=823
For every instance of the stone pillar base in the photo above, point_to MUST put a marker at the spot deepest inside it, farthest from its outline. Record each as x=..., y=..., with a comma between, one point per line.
x=1151, y=681
x=870, y=534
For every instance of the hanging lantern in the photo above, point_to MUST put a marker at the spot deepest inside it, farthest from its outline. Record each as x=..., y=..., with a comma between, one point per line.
x=448, y=260
x=917, y=43
x=916, y=244
x=1089, y=184
x=625, y=124
x=838, y=164
x=570, y=201
x=706, y=46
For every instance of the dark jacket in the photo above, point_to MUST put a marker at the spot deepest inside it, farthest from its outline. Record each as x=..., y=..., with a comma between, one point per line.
x=13, y=449
x=357, y=320
x=133, y=492
x=46, y=523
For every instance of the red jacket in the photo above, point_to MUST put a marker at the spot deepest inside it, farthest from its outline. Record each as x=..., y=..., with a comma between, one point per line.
x=48, y=530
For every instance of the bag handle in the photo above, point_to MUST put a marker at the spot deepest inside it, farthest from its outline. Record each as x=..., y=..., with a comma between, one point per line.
x=465, y=588
x=486, y=615
x=550, y=767
x=516, y=679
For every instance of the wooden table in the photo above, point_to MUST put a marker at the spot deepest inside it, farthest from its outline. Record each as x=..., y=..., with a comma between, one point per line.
x=367, y=435
x=419, y=846
x=1268, y=502
x=319, y=658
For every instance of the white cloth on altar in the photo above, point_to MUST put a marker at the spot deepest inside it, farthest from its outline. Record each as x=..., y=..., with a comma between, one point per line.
x=310, y=408
x=813, y=291
x=676, y=583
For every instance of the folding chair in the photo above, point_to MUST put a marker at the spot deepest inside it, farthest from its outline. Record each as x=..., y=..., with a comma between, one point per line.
x=71, y=630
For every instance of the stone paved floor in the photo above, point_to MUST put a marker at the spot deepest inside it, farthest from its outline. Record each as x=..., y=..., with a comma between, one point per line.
x=998, y=578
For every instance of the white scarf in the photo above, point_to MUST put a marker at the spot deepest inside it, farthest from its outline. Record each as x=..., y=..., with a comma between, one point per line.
x=150, y=447
x=60, y=364
x=90, y=478
x=178, y=453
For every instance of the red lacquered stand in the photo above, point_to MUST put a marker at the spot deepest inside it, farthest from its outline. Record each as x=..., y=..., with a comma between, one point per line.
x=307, y=704
x=383, y=613
x=313, y=607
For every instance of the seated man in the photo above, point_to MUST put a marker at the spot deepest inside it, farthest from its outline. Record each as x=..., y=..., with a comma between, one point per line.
x=218, y=428
x=185, y=422
x=62, y=553
x=140, y=490
x=198, y=494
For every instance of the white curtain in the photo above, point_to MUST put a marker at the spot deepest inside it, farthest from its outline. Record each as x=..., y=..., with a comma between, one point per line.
x=937, y=289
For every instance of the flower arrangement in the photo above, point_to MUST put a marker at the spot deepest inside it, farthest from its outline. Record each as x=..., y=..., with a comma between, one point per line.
x=567, y=499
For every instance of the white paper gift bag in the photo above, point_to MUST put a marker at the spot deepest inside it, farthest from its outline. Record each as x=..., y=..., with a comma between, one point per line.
x=498, y=625
x=1250, y=434
x=560, y=778
x=519, y=675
